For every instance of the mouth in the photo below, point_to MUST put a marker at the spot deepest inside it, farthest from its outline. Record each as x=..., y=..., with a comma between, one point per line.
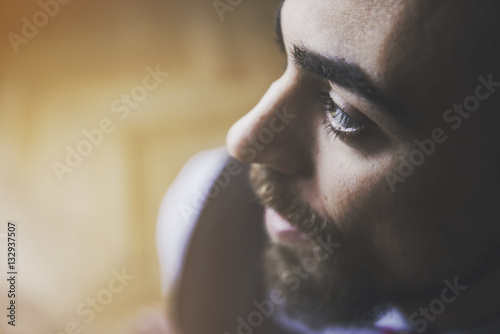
x=281, y=230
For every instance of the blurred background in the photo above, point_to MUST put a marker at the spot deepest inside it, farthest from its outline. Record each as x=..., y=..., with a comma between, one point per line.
x=60, y=73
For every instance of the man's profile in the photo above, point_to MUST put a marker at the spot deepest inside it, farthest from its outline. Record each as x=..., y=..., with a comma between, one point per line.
x=375, y=160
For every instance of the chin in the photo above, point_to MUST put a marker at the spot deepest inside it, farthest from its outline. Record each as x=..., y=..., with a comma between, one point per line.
x=324, y=294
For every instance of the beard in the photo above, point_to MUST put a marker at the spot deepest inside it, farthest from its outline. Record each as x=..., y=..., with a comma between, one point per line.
x=322, y=287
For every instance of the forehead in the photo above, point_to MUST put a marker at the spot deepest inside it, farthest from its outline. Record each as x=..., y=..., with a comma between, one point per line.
x=407, y=48
x=341, y=28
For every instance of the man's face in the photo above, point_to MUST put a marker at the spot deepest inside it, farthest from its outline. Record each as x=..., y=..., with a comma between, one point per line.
x=373, y=150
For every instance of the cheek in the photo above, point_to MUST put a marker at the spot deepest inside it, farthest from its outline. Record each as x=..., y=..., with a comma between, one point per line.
x=347, y=179
x=374, y=225
x=434, y=206
x=377, y=224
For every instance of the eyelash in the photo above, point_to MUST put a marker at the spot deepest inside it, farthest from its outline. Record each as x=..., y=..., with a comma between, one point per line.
x=350, y=126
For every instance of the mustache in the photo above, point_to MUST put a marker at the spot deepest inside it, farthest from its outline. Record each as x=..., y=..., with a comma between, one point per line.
x=275, y=190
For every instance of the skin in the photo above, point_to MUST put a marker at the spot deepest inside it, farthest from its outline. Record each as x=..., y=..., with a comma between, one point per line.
x=442, y=221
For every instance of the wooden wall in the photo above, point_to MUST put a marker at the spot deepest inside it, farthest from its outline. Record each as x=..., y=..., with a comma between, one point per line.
x=63, y=80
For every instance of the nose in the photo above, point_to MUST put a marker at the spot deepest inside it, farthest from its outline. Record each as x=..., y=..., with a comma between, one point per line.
x=273, y=133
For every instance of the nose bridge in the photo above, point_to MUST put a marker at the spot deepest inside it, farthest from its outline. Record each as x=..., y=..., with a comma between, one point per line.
x=269, y=133
x=272, y=115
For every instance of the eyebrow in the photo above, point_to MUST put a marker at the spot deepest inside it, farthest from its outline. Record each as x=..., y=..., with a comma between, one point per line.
x=340, y=72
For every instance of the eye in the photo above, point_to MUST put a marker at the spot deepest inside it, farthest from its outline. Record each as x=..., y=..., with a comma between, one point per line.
x=338, y=121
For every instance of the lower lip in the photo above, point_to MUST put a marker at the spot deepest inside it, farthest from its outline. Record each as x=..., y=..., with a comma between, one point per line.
x=281, y=230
